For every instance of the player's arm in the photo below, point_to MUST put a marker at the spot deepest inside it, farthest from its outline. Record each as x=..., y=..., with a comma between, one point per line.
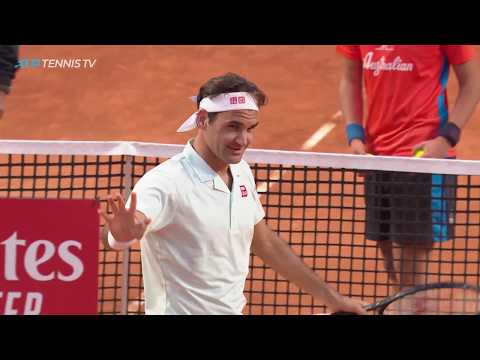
x=277, y=254
x=125, y=224
x=351, y=102
x=468, y=75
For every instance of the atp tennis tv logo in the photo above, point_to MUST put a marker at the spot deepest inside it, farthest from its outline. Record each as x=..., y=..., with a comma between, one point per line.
x=48, y=267
x=55, y=63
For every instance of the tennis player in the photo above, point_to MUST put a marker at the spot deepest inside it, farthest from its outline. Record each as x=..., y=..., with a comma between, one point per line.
x=198, y=215
x=8, y=68
x=407, y=106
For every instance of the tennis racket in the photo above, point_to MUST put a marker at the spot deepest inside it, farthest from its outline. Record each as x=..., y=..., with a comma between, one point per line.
x=442, y=298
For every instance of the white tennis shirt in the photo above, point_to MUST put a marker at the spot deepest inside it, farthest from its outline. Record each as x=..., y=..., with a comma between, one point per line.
x=196, y=252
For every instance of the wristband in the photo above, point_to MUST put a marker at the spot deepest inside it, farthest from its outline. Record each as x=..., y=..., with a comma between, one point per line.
x=451, y=133
x=117, y=245
x=355, y=131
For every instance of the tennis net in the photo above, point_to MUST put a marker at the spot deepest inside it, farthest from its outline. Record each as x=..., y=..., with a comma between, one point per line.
x=316, y=202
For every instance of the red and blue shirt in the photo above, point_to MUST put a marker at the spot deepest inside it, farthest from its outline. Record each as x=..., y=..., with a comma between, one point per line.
x=406, y=91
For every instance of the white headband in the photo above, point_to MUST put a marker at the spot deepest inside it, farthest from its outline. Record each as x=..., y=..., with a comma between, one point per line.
x=222, y=102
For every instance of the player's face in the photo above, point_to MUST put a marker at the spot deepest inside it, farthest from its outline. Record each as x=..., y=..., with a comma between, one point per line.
x=230, y=134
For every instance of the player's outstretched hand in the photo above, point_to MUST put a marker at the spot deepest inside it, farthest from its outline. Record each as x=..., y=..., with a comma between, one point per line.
x=358, y=147
x=125, y=224
x=436, y=148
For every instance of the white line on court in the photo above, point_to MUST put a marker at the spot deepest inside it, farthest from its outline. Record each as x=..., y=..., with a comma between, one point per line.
x=318, y=136
x=337, y=115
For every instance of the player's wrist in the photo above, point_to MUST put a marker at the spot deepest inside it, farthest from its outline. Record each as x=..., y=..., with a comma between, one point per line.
x=444, y=142
x=355, y=131
x=119, y=244
x=451, y=133
x=331, y=298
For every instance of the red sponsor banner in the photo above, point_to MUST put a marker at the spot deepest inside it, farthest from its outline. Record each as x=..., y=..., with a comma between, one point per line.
x=48, y=256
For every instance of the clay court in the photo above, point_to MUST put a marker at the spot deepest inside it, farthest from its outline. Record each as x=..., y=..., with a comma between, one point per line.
x=140, y=93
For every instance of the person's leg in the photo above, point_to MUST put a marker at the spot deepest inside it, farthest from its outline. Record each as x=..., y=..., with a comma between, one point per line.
x=386, y=249
x=411, y=264
x=411, y=226
x=378, y=214
x=414, y=211
x=413, y=230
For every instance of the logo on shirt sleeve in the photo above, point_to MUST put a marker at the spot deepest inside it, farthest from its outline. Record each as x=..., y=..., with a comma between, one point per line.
x=243, y=190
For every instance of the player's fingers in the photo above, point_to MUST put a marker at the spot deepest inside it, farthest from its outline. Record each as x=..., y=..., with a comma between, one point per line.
x=359, y=151
x=120, y=203
x=143, y=224
x=105, y=216
x=133, y=203
x=418, y=147
x=112, y=204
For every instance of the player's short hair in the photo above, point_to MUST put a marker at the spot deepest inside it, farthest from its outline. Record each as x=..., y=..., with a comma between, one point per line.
x=230, y=82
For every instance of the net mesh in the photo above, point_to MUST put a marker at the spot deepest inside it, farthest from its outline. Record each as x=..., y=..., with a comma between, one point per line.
x=315, y=202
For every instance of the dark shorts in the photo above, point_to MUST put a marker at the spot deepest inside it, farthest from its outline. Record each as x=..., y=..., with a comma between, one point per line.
x=409, y=207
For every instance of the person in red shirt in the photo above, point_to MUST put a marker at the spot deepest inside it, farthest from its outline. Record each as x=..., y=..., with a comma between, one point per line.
x=406, y=100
